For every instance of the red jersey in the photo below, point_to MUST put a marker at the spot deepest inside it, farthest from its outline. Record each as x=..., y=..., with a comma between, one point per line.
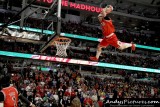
x=107, y=27
x=68, y=93
x=10, y=96
x=100, y=103
x=88, y=101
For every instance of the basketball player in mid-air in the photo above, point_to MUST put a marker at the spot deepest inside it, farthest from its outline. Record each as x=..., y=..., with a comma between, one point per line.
x=110, y=37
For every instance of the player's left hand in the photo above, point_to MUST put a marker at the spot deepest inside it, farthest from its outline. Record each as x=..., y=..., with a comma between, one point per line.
x=33, y=105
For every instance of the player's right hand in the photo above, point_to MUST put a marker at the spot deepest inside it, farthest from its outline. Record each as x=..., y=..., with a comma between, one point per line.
x=108, y=9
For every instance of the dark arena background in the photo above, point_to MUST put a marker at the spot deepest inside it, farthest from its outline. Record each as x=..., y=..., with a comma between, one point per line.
x=45, y=45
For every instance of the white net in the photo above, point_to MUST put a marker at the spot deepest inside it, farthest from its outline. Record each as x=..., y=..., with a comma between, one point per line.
x=61, y=45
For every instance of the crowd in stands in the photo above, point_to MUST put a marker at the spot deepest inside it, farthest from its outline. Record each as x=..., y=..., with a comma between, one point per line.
x=67, y=86
x=121, y=59
x=146, y=62
x=125, y=36
x=81, y=29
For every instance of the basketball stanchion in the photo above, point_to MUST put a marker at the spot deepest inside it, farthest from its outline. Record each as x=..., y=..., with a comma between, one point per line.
x=61, y=45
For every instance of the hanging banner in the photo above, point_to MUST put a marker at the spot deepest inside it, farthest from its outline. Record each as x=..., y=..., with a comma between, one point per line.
x=66, y=3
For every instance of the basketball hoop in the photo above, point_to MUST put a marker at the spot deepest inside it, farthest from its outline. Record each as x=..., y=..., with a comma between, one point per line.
x=61, y=44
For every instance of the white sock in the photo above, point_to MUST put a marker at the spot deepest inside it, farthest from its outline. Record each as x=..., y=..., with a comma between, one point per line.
x=98, y=54
x=125, y=45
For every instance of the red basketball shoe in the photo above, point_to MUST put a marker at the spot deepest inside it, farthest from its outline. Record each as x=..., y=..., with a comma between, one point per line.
x=133, y=47
x=93, y=58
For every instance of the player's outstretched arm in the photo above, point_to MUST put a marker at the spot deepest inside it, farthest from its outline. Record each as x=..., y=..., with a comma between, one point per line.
x=24, y=99
x=102, y=14
x=1, y=97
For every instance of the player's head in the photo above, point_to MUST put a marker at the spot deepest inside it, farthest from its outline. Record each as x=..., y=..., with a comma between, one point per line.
x=5, y=80
x=109, y=8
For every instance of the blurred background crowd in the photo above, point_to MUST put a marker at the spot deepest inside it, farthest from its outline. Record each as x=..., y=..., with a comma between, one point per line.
x=61, y=88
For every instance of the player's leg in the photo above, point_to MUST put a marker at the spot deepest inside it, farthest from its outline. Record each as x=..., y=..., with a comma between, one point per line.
x=102, y=44
x=123, y=45
x=98, y=53
x=120, y=45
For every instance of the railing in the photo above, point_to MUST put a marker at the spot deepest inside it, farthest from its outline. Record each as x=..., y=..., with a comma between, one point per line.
x=75, y=61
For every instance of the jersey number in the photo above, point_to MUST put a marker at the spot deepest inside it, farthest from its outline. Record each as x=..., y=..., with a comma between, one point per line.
x=14, y=100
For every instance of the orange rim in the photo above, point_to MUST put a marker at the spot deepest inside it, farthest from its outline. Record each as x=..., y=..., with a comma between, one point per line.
x=62, y=40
